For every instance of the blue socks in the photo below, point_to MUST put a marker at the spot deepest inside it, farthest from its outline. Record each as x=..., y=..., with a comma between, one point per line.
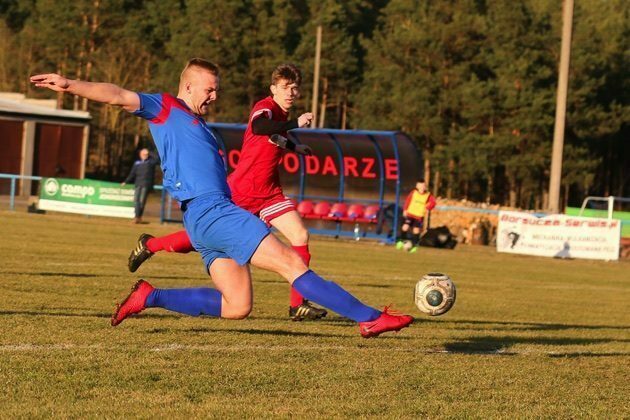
x=207, y=301
x=330, y=295
x=193, y=301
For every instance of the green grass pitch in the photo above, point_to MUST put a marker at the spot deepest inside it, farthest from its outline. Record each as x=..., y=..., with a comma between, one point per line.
x=527, y=338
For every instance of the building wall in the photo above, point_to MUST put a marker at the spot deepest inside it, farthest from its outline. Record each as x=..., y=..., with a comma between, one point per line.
x=57, y=153
x=29, y=146
x=10, y=150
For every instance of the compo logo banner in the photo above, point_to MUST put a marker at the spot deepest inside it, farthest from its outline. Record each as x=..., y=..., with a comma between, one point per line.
x=86, y=196
x=77, y=191
x=51, y=187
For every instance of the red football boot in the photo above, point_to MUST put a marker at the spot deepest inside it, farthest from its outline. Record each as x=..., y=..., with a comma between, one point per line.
x=388, y=321
x=134, y=303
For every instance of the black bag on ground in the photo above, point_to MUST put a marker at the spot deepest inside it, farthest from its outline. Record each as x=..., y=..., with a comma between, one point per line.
x=439, y=237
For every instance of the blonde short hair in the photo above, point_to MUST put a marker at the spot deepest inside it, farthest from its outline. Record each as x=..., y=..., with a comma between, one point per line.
x=200, y=63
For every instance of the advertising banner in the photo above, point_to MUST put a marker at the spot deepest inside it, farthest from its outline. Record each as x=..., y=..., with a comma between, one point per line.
x=559, y=236
x=86, y=196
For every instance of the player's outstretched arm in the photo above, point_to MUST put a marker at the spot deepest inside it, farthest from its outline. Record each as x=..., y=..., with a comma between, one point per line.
x=262, y=126
x=100, y=92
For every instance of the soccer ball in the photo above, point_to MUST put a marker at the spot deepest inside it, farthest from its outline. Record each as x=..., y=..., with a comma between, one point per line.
x=435, y=294
x=407, y=246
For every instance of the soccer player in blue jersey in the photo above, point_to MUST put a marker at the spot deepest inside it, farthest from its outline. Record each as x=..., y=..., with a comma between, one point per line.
x=226, y=236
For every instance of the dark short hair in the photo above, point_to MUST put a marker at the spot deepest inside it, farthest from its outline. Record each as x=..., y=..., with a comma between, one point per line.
x=287, y=72
x=204, y=64
x=420, y=180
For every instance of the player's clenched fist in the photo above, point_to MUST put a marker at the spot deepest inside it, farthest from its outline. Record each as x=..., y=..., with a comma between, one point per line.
x=305, y=119
x=303, y=149
x=51, y=81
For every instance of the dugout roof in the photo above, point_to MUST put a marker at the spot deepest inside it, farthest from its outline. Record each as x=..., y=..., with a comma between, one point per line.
x=15, y=105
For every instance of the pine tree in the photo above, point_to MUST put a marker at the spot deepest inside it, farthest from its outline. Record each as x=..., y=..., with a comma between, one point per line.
x=420, y=57
x=340, y=56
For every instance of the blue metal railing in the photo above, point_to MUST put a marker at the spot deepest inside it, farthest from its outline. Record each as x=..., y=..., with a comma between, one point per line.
x=13, y=179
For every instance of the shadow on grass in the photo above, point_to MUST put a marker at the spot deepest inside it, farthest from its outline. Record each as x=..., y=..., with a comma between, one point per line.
x=88, y=275
x=501, y=345
x=265, y=332
x=49, y=274
x=77, y=314
x=587, y=354
x=334, y=320
x=48, y=313
x=460, y=324
x=248, y=331
x=337, y=322
x=379, y=286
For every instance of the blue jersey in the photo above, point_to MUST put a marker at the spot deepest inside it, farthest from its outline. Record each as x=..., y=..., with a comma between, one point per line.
x=189, y=153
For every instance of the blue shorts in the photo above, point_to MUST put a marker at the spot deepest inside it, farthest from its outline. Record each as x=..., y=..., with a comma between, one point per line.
x=219, y=228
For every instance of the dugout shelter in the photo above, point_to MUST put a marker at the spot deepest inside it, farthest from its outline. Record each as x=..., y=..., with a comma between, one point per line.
x=36, y=139
x=352, y=185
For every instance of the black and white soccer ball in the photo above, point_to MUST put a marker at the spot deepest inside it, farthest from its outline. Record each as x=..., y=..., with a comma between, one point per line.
x=435, y=294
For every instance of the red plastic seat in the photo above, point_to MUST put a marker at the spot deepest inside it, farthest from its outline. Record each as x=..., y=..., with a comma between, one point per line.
x=355, y=211
x=337, y=211
x=321, y=210
x=305, y=208
x=371, y=214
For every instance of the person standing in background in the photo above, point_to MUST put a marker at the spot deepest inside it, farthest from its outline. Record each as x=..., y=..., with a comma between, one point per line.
x=142, y=175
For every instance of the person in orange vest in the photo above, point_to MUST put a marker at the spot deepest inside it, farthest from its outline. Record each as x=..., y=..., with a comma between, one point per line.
x=418, y=203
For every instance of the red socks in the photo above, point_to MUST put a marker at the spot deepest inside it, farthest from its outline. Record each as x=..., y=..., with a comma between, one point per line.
x=302, y=251
x=175, y=242
x=296, y=298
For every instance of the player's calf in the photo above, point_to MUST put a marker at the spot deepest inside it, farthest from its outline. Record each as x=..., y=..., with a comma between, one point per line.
x=189, y=301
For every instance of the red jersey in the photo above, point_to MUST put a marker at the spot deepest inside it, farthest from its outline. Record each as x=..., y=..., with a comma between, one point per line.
x=256, y=174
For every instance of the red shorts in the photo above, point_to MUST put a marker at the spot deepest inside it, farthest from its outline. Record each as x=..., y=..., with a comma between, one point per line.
x=267, y=208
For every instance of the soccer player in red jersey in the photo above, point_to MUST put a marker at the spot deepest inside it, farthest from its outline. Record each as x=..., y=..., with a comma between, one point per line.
x=255, y=183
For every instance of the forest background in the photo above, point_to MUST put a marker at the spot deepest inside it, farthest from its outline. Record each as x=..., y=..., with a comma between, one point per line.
x=472, y=81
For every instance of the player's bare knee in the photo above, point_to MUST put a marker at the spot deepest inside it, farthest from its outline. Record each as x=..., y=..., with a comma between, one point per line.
x=241, y=311
x=242, y=314
x=405, y=228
